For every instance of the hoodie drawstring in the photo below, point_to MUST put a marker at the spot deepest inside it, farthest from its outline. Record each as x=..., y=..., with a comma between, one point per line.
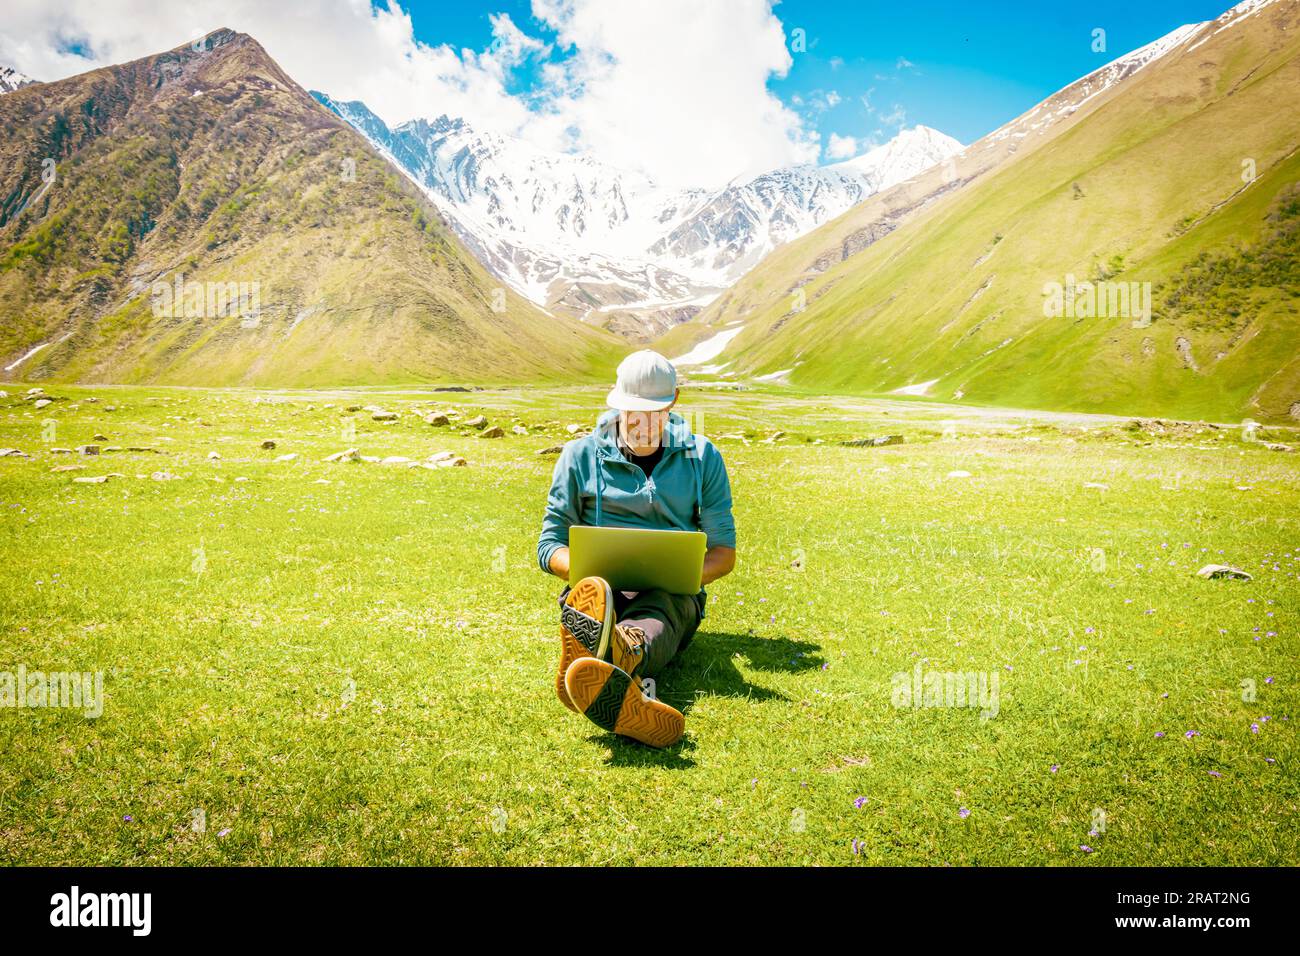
x=699, y=482
x=600, y=481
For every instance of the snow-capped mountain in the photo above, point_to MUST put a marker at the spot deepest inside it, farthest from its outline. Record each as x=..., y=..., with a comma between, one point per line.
x=609, y=245
x=739, y=225
x=11, y=79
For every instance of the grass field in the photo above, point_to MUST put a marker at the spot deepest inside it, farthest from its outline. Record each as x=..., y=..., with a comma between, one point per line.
x=353, y=663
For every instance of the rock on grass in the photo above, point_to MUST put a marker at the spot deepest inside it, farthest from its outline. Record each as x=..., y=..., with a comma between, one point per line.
x=874, y=442
x=1212, y=571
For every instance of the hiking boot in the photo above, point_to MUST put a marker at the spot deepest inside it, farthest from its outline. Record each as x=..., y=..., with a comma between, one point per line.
x=627, y=648
x=586, y=623
x=612, y=699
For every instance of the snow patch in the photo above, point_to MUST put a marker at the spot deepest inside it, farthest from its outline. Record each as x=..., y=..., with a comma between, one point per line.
x=13, y=365
x=709, y=349
x=920, y=388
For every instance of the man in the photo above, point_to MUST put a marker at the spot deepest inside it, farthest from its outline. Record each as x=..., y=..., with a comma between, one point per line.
x=641, y=468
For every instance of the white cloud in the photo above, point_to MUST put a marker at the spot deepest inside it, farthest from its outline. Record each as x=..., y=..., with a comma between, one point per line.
x=819, y=101
x=510, y=43
x=895, y=117
x=841, y=147
x=675, y=88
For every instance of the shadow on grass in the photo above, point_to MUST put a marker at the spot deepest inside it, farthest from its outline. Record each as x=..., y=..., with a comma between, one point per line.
x=707, y=668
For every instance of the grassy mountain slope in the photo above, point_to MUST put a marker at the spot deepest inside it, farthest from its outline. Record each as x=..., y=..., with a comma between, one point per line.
x=1146, y=186
x=213, y=165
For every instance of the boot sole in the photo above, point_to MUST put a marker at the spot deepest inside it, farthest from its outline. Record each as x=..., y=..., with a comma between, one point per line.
x=611, y=699
x=586, y=623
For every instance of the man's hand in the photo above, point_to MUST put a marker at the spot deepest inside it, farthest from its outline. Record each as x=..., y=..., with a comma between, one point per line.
x=717, y=562
x=559, y=563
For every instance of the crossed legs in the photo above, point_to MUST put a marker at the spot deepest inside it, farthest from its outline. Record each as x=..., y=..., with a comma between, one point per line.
x=609, y=641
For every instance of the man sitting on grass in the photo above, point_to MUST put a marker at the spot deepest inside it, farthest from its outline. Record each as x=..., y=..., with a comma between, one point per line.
x=641, y=468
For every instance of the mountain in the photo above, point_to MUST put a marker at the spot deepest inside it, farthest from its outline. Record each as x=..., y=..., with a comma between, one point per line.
x=11, y=79
x=1175, y=165
x=735, y=228
x=607, y=245
x=195, y=217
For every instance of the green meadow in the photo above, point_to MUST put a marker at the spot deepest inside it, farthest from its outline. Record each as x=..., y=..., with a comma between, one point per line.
x=352, y=663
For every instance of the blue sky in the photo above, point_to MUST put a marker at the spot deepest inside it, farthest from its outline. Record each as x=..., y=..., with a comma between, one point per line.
x=973, y=66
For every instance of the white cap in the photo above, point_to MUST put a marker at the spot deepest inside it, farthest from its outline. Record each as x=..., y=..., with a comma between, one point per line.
x=647, y=382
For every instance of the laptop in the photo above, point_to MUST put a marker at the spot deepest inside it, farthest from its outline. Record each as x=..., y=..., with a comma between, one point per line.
x=638, y=559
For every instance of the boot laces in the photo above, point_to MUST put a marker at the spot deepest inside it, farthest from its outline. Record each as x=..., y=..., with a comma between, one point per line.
x=634, y=637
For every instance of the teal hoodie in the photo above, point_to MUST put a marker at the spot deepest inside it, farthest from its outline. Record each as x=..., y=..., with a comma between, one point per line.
x=593, y=484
